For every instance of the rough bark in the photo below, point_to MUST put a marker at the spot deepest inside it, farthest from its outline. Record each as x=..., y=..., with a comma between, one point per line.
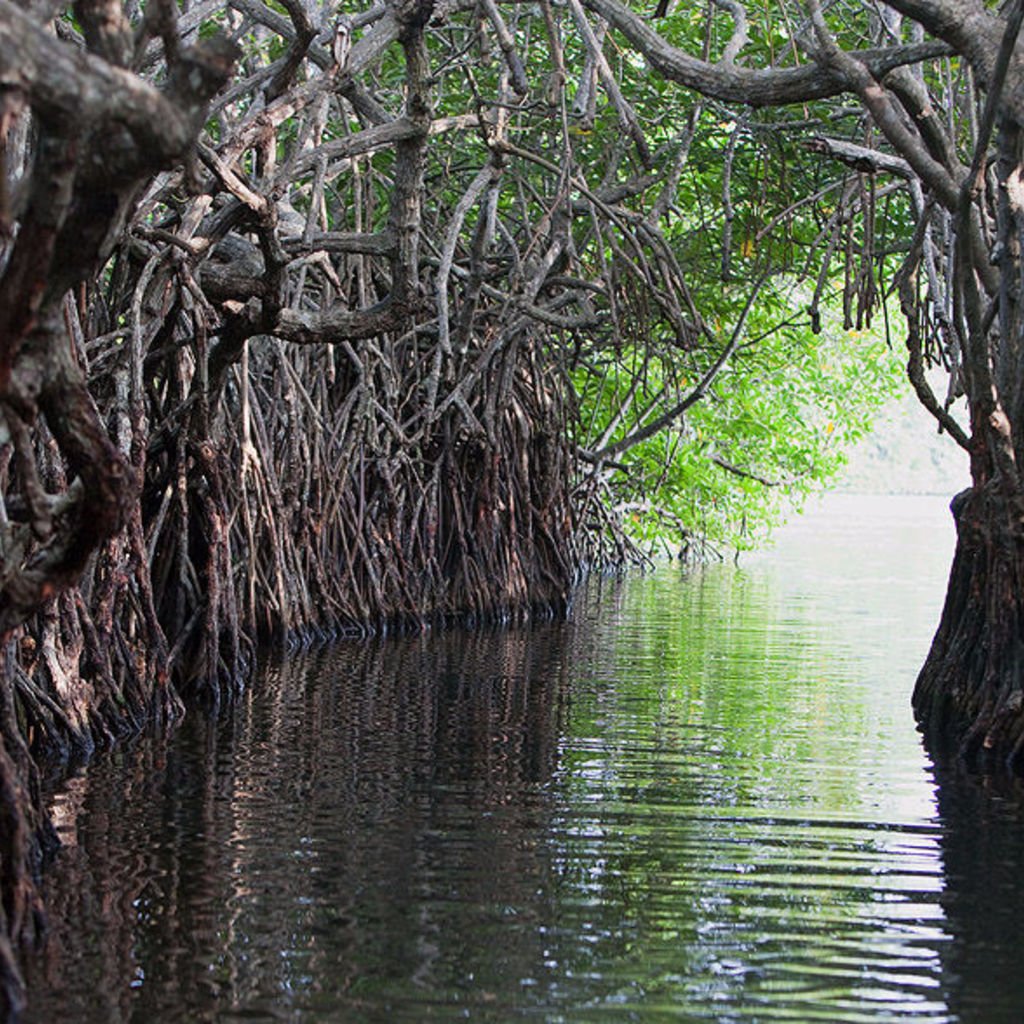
x=969, y=695
x=100, y=133
x=221, y=426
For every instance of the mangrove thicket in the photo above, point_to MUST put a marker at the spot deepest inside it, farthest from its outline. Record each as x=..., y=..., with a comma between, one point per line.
x=320, y=320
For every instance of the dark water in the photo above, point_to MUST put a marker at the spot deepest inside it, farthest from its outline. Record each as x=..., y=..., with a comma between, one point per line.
x=702, y=800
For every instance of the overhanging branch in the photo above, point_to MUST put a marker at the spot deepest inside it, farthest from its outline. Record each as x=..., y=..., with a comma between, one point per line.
x=772, y=87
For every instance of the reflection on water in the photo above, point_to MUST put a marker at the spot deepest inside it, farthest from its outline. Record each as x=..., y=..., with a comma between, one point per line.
x=703, y=799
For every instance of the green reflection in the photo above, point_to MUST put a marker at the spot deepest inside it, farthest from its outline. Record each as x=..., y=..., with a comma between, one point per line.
x=741, y=786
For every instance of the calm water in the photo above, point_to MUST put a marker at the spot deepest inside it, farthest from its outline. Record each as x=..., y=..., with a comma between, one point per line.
x=703, y=799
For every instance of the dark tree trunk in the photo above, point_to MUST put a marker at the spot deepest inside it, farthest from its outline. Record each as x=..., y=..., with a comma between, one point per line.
x=969, y=695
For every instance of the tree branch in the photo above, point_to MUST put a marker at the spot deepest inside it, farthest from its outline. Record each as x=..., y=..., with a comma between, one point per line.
x=756, y=88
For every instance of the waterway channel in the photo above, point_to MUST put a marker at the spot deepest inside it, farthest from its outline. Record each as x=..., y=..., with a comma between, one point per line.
x=702, y=799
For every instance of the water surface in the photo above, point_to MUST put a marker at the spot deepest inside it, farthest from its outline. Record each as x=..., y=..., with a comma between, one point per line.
x=703, y=799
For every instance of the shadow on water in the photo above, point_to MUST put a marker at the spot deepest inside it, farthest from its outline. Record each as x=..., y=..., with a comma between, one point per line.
x=701, y=800
x=982, y=829
x=336, y=845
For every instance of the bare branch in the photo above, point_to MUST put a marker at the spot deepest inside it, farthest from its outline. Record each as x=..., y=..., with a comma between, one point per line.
x=62, y=82
x=740, y=36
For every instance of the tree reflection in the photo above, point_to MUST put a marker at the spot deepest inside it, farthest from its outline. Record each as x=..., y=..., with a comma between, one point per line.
x=982, y=851
x=342, y=838
x=701, y=798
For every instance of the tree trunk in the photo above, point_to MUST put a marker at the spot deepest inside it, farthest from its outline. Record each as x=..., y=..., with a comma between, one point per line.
x=969, y=695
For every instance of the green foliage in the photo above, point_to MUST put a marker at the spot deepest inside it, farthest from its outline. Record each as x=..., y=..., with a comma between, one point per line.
x=773, y=427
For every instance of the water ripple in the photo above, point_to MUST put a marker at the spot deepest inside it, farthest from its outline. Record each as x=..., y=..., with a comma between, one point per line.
x=703, y=800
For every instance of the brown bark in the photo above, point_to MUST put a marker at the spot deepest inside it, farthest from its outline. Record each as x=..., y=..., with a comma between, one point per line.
x=101, y=133
x=969, y=696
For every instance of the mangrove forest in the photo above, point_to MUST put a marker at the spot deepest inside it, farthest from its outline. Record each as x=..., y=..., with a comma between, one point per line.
x=333, y=321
